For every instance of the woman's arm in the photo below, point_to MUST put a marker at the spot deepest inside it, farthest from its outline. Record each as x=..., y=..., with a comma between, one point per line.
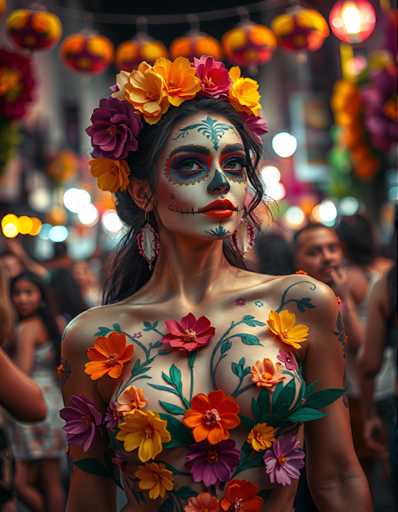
x=335, y=477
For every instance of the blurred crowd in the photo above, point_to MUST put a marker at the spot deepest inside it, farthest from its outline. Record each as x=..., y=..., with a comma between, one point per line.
x=39, y=299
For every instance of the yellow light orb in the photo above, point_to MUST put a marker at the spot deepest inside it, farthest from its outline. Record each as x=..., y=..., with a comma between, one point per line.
x=9, y=218
x=10, y=230
x=36, y=226
x=25, y=224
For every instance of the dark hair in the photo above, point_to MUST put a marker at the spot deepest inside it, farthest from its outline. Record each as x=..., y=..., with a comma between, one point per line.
x=356, y=234
x=308, y=227
x=129, y=271
x=67, y=293
x=275, y=256
x=46, y=310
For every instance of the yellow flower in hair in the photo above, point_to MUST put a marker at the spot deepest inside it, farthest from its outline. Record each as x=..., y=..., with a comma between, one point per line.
x=146, y=91
x=112, y=175
x=244, y=94
x=180, y=77
x=283, y=326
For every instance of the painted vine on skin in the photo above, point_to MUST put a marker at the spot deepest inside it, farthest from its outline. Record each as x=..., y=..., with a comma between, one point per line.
x=209, y=127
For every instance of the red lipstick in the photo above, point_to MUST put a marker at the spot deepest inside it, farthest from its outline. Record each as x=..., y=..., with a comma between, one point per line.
x=219, y=209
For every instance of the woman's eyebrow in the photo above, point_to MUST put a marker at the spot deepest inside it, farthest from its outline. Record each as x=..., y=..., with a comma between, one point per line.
x=232, y=148
x=190, y=148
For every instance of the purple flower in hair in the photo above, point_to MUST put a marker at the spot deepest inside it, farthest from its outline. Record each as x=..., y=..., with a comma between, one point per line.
x=284, y=460
x=114, y=130
x=256, y=125
x=82, y=421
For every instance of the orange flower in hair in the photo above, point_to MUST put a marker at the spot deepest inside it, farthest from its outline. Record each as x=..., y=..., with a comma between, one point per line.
x=112, y=175
x=180, y=77
x=244, y=94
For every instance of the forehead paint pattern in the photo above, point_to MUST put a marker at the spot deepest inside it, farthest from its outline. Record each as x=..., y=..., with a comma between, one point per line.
x=210, y=128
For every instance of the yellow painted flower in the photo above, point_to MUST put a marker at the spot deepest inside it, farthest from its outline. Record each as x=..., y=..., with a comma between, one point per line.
x=266, y=375
x=261, y=436
x=112, y=175
x=283, y=326
x=180, y=77
x=131, y=398
x=155, y=478
x=244, y=94
x=146, y=91
x=143, y=430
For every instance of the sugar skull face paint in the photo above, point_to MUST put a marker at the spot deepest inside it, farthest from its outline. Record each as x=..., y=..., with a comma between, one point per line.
x=202, y=181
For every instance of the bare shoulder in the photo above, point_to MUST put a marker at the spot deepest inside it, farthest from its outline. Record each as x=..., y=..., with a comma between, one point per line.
x=30, y=327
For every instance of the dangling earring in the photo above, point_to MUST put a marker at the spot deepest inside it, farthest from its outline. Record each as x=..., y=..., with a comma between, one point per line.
x=148, y=242
x=244, y=237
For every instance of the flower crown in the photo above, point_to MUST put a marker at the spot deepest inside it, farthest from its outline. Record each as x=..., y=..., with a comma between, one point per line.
x=145, y=95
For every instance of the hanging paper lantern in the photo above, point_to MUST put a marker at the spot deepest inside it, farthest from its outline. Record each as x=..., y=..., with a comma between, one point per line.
x=195, y=44
x=142, y=47
x=3, y=7
x=34, y=29
x=352, y=21
x=300, y=29
x=87, y=53
x=249, y=44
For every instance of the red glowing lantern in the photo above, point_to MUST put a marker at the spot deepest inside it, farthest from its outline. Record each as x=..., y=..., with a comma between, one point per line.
x=352, y=21
x=195, y=44
x=34, y=30
x=87, y=53
x=130, y=53
x=300, y=29
x=249, y=44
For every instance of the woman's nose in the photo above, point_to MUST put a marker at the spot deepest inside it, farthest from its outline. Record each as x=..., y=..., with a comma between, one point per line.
x=219, y=184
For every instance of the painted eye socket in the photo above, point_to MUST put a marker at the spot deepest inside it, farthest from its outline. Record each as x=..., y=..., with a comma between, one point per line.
x=189, y=166
x=235, y=165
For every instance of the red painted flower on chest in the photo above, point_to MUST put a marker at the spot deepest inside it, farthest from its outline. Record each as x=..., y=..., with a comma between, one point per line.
x=188, y=334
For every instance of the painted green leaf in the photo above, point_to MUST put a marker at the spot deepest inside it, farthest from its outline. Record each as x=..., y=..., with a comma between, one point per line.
x=305, y=414
x=256, y=409
x=251, y=321
x=237, y=370
x=167, y=379
x=116, y=327
x=139, y=368
x=157, y=344
x=242, y=362
x=175, y=374
x=263, y=401
x=323, y=398
x=185, y=492
x=285, y=400
x=191, y=359
x=265, y=493
x=249, y=339
x=246, y=422
x=171, y=408
x=311, y=388
x=167, y=505
x=226, y=346
x=164, y=388
x=150, y=326
x=93, y=466
x=304, y=303
x=103, y=331
x=180, y=434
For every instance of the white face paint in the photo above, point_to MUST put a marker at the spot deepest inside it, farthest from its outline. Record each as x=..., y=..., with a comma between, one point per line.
x=203, y=181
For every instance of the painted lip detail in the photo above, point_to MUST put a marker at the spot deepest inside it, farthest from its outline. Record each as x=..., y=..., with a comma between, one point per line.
x=220, y=209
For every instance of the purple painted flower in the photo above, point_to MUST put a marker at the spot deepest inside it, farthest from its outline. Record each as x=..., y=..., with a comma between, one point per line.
x=111, y=417
x=288, y=359
x=114, y=130
x=256, y=125
x=214, y=76
x=212, y=464
x=284, y=460
x=82, y=421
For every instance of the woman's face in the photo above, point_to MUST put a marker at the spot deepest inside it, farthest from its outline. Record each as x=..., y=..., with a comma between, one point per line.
x=26, y=297
x=202, y=181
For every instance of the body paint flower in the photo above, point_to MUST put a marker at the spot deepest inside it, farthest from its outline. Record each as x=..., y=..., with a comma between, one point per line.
x=143, y=430
x=112, y=175
x=180, y=78
x=266, y=375
x=82, y=421
x=213, y=75
x=212, y=416
x=203, y=502
x=131, y=398
x=241, y=495
x=111, y=417
x=212, y=464
x=243, y=94
x=155, y=478
x=261, y=436
x=189, y=333
x=283, y=326
x=284, y=460
x=288, y=359
x=108, y=356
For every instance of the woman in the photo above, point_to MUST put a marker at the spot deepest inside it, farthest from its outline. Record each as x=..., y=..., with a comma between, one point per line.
x=38, y=448
x=192, y=422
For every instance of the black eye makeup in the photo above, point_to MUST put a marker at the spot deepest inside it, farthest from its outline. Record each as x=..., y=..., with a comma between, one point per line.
x=186, y=169
x=235, y=165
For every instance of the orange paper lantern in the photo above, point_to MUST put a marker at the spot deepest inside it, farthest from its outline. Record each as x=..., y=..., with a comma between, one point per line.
x=3, y=7
x=34, y=29
x=130, y=53
x=352, y=21
x=87, y=53
x=249, y=44
x=195, y=44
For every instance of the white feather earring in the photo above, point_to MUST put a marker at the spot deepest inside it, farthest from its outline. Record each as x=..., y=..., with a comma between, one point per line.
x=244, y=237
x=148, y=243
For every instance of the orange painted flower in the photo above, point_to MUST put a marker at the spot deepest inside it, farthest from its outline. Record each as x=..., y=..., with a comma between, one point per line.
x=244, y=94
x=131, y=398
x=108, y=356
x=241, y=495
x=283, y=326
x=112, y=175
x=180, y=77
x=261, y=436
x=266, y=375
x=155, y=478
x=203, y=502
x=212, y=416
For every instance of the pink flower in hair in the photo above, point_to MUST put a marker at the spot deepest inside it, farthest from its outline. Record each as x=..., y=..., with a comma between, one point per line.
x=213, y=75
x=256, y=125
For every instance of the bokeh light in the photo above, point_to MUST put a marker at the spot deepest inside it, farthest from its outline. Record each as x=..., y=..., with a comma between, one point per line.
x=111, y=221
x=284, y=144
x=88, y=215
x=76, y=199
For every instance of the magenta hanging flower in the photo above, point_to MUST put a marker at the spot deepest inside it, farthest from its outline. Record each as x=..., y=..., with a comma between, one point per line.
x=112, y=416
x=189, y=333
x=257, y=126
x=114, y=130
x=284, y=460
x=82, y=421
x=288, y=359
x=212, y=464
x=213, y=75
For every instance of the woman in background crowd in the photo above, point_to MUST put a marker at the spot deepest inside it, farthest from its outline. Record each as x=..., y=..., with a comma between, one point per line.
x=88, y=283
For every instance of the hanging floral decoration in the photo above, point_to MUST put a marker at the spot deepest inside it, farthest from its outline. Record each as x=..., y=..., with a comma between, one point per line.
x=130, y=53
x=300, y=29
x=195, y=44
x=249, y=44
x=87, y=53
x=32, y=29
x=352, y=21
x=63, y=166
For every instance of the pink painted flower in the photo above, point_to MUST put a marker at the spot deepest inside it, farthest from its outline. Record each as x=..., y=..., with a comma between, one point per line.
x=189, y=333
x=213, y=75
x=82, y=421
x=284, y=460
x=203, y=502
x=257, y=126
x=288, y=359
